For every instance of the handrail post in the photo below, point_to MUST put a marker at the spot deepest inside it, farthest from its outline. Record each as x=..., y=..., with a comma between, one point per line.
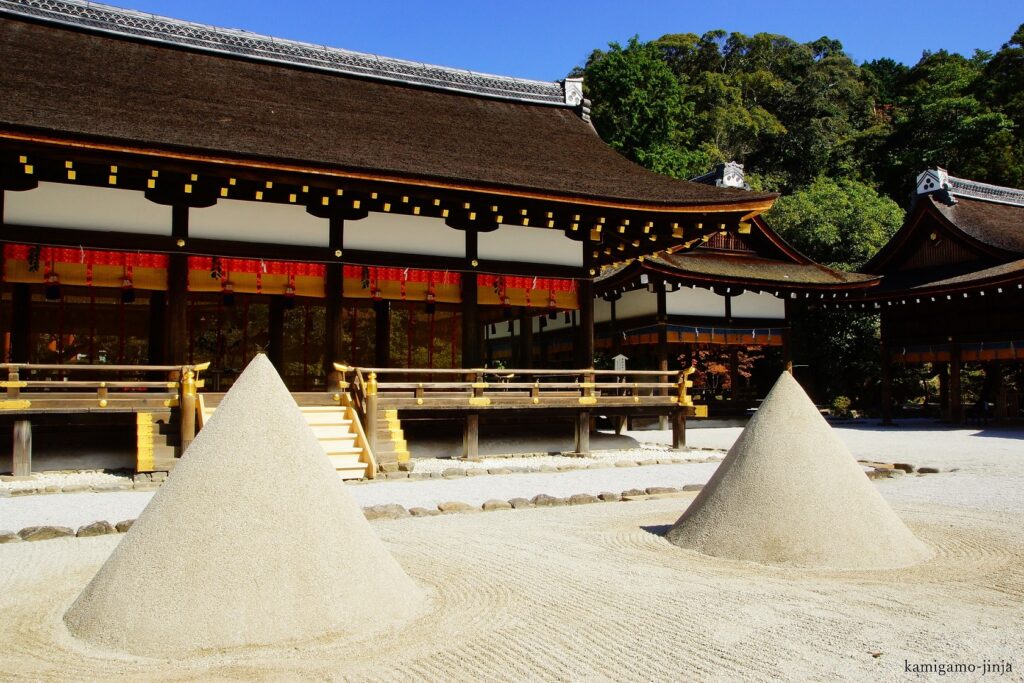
x=187, y=407
x=685, y=400
x=371, y=411
x=343, y=396
x=13, y=383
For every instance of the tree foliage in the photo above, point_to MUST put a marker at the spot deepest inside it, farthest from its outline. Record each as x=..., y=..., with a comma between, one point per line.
x=841, y=223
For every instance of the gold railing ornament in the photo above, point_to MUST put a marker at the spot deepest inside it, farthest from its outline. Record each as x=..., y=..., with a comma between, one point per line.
x=685, y=400
x=188, y=405
x=371, y=384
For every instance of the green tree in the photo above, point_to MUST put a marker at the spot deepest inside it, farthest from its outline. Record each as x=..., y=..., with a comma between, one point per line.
x=841, y=223
x=939, y=120
x=638, y=102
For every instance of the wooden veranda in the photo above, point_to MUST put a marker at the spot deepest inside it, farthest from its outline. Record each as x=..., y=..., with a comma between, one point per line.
x=384, y=396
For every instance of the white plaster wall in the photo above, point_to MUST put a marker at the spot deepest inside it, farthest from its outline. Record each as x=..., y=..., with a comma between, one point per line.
x=634, y=304
x=245, y=221
x=530, y=245
x=697, y=301
x=404, y=234
x=80, y=207
x=758, y=305
x=603, y=310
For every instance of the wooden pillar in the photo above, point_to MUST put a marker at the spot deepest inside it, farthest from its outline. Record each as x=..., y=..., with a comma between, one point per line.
x=176, y=329
x=157, y=328
x=542, y=344
x=886, y=386
x=21, y=322
x=275, y=329
x=956, y=408
x=583, y=433
x=662, y=348
x=334, y=303
x=585, y=331
x=471, y=437
x=787, y=343
x=22, y=465
x=678, y=429
x=943, y=371
x=382, y=333
x=470, y=309
x=526, y=339
x=614, y=323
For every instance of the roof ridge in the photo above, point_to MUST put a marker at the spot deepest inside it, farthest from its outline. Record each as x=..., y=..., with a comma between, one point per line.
x=938, y=180
x=240, y=43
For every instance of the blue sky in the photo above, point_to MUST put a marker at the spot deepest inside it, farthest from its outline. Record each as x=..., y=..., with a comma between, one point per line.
x=544, y=40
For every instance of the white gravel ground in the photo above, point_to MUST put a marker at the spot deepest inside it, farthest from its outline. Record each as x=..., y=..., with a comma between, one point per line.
x=987, y=461
x=62, y=479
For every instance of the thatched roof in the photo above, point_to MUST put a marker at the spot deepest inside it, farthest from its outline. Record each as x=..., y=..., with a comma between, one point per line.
x=105, y=74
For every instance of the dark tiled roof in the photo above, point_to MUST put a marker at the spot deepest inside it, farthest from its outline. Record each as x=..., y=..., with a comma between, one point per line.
x=757, y=270
x=753, y=271
x=994, y=224
x=954, y=277
x=71, y=83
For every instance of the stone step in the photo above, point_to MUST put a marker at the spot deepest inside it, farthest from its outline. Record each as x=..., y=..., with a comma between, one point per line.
x=341, y=451
x=355, y=470
x=332, y=432
x=325, y=419
x=345, y=459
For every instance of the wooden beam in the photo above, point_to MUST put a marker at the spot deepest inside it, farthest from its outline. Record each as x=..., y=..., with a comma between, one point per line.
x=157, y=328
x=21, y=322
x=942, y=369
x=582, y=433
x=787, y=342
x=956, y=407
x=585, y=331
x=471, y=437
x=614, y=325
x=679, y=429
x=334, y=304
x=886, y=397
x=525, y=339
x=176, y=345
x=275, y=328
x=470, y=308
x=22, y=464
x=662, y=347
x=382, y=333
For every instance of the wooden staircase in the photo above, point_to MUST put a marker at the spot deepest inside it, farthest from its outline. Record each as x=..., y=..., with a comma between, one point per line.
x=392, y=449
x=338, y=434
x=338, y=438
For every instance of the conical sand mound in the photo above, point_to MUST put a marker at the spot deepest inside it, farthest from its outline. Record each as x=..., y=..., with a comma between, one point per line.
x=253, y=540
x=789, y=492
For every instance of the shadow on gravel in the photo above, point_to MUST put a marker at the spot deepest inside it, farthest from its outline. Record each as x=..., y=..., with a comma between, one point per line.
x=657, y=529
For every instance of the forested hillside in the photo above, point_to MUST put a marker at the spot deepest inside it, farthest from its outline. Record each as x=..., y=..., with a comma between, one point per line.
x=843, y=143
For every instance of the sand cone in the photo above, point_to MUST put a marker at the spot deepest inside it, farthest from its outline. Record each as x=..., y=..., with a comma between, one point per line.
x=789, y=492
x=252, y=540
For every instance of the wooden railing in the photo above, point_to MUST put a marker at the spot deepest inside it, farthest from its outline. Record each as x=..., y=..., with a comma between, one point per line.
x=485, y=388
x=58, y=393
x=354, y=405
x=478, y=390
